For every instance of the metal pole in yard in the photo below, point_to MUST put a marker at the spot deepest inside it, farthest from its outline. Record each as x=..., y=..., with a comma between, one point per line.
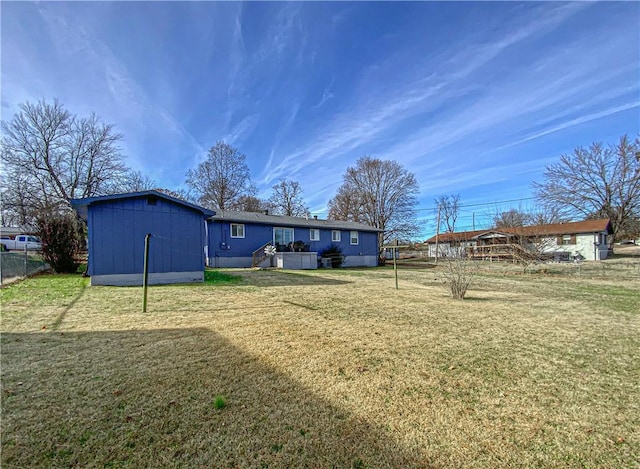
x=145, y=275
x=26, y=259
x=395, y=266
x=437, y=234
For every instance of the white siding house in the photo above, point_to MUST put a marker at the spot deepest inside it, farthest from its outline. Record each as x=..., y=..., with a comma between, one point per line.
x=586, y=240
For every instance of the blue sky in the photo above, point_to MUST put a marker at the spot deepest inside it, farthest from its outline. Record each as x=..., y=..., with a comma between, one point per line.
x=474, y=98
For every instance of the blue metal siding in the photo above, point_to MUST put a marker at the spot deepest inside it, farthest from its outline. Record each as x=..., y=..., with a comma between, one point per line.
x=222, y=245
x=116, y=237
x=367, y=243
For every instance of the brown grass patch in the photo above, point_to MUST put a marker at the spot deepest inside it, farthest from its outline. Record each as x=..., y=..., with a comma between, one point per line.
x=322, y=369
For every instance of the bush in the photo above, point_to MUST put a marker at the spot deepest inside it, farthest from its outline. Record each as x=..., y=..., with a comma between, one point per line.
x=60, y=242
x=459, y=273
x=333, y=252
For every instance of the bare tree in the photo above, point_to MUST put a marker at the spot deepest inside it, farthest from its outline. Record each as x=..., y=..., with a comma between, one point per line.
x=286, y=199
x=510, y=218
x=378, y=193
x=250, y=203
x=136, y=181
x=220, y=180
x=449, y=206
x=597, y=182
x=529, y=244
x=528, y=239
x=345, y=205
x=177, y=194
x=51, y=156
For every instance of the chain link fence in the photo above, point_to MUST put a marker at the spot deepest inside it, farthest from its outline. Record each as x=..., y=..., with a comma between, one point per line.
x=15, y=265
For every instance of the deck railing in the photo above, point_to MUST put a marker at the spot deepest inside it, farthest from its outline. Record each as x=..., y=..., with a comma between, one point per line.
x=259, y=255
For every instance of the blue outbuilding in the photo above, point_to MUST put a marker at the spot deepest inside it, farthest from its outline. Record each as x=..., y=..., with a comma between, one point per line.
x=118, y=225
x=186, y=237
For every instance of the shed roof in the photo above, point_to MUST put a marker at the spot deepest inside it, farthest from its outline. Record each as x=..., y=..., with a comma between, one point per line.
x=553, y=229
x=82, y=205
x=283, y=220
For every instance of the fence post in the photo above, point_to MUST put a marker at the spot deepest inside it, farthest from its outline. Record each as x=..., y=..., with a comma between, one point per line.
x=145, y=274
x=395, y=266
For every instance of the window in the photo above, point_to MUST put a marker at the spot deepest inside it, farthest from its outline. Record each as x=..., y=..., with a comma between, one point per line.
x=314, y=234
x=566, y=240
x=282, y=236
x=335, y=236
x=353, y=237
x=237, y=230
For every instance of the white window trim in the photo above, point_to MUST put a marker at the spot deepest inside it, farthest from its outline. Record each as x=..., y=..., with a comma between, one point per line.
x=231, y=230
x=351, y=237
x=334, y=238
x=313, y=231
x=293, y=232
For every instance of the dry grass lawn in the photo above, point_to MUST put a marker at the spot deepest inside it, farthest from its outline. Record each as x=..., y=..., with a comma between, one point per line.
x=323, y=369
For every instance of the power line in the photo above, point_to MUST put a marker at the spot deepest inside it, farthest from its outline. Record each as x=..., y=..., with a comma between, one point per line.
x=434, y=209
x=481, y=204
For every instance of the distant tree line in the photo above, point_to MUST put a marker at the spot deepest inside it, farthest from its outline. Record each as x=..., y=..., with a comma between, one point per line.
x=50, y=156
x=601, y=181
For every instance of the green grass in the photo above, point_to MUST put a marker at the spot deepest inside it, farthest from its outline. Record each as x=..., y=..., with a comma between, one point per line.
x=45, y=289
x=215, y=277
x=322, y=369
x=220, y=402
x=616, y=298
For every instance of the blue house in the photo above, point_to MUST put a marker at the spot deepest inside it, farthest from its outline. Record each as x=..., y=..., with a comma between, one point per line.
x=118, y=225
x=238, y=239
x=186, y=237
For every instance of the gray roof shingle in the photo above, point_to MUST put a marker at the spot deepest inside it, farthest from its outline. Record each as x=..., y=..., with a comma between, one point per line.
x=282, y=220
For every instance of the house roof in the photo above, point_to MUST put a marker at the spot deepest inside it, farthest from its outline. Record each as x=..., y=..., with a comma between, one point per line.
x=553, y=229
x=283, y=220
x=82, y=205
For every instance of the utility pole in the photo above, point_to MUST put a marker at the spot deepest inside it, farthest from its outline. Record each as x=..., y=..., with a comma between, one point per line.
x=474, y=221
x=437, y=234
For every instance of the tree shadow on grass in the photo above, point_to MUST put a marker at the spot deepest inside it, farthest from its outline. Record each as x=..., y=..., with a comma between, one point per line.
x=146, y=399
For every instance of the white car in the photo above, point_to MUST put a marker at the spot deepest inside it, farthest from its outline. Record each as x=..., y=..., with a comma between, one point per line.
x=20, y=242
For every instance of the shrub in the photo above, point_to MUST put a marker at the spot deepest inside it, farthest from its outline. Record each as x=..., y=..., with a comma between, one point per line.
x=333, y=252
x=60, y=241
x=459, y=272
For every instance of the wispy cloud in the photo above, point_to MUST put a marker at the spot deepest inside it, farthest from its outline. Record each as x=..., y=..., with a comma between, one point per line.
x=306, y=89
x=577, y=121
x=244, y=127
x=375, y=114
x=327, y=94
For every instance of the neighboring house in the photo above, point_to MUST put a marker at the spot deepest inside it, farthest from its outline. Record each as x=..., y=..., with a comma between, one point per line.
x=185, y=236
x=13, y=231
x=560, y=241
x=118, y=225
x=238, y=239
